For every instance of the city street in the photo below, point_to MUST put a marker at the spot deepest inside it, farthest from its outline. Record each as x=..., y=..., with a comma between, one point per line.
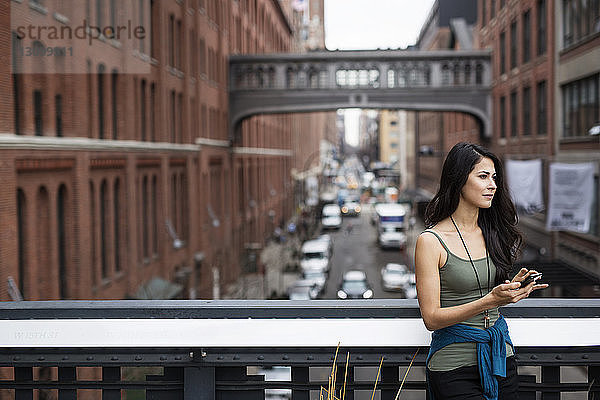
x=356, y=248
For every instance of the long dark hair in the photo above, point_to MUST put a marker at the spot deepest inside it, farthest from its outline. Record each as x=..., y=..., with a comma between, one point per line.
x=498, y=223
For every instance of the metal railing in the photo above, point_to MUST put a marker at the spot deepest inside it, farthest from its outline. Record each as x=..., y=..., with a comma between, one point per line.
x=203, y=349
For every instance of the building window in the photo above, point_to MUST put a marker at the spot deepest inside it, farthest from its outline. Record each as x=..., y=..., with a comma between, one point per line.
x=93, y=233
x=503, y=116
x=145, y=221
x=143, y=112
x=542, y=27
x=513, y=44
x=493, y=9
x=513, y=114
x=22, y=240
x=44, y=240
x=115, y=105
x=17, y=49
x=581, y=107
x=202, y=55
x=154, y=216
x=99, y=12
x=173, y=117
x=117, y=225
x=61, y=210
x=104, y=207
x=142, y=23
x=113, y=13
x=58, y=111
x=153, y=112
x=38, y=112
x=101, y=101
x=483, y=12
x=502, y=53
x=580, y=20
x=542, y=99
x=153, y=30
x=526, y=36
x=527, y=111
x=171, y=40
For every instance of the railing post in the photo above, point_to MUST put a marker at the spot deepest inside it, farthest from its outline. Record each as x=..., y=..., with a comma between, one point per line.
x=199, y=383
x=550, y=375
x=300, y=375
x=23, y=374
x=67, y=374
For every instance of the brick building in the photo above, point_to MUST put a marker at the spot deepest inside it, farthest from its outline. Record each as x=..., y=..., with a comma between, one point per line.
x=437, y=132
x=122, y=169
x=545, y=94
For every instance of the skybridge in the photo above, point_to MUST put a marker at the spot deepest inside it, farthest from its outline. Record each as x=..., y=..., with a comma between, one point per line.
x=448, y=80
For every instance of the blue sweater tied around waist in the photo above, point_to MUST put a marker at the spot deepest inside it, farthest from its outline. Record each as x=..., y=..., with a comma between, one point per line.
x=491, y=350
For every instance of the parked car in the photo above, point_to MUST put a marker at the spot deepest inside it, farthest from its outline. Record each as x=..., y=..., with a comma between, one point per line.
x=315, y=255
x=392, y=237
x=410, y=291
x=351, y=209
x=318, y=277
x=354, y=285
x=327, y=239
x=303, y=290
x=395, y=277
x=331, y=217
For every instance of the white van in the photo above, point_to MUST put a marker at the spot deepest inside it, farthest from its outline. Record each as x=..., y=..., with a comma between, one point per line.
x=315, y=256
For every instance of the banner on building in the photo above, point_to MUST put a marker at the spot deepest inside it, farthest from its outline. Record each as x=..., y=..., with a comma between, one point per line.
x=525, y=184
x=299, y=5
x=571, y=194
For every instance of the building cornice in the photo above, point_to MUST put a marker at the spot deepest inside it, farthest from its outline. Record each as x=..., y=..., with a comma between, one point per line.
x=11, y=141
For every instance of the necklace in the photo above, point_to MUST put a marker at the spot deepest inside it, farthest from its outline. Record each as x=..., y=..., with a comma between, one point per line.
x=486, y=313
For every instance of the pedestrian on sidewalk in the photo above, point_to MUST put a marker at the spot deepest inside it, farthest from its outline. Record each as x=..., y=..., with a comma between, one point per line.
x=463, y=262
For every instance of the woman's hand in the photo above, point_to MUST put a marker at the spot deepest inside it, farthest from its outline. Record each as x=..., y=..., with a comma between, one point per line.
x=511, y=291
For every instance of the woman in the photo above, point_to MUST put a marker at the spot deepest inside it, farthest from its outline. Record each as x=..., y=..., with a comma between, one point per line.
x=463, y=261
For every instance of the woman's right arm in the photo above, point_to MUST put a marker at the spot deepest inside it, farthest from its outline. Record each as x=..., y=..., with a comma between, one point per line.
x=428, y=253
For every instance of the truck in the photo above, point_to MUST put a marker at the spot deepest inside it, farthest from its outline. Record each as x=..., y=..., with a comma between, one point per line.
x=391, y=222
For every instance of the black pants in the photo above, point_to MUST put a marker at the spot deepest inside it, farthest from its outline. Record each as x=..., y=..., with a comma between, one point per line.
x=464, y=383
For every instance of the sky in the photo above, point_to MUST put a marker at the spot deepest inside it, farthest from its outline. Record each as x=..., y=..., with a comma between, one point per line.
x=372, y=24
x=368, y=25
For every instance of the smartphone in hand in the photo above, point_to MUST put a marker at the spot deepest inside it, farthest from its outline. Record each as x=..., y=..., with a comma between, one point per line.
x=531, y=278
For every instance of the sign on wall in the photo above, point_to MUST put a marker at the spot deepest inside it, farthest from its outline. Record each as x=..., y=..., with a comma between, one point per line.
x=525, y=184
x=571, y=194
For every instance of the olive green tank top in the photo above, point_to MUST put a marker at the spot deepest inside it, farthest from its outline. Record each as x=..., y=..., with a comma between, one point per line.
x=458, y=285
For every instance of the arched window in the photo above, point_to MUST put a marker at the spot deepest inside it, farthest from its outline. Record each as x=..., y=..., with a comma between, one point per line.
x=117, y=224
x=43, y=244
x=61, y=226
x=22, y=240
x=104, y=207
x=391, y=78
x=145, y=222
x=93, y=234
x=154, y=216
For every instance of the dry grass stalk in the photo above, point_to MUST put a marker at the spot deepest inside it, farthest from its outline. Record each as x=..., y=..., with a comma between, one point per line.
x=345, y=375
x=377, y=378
x=406, y=374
